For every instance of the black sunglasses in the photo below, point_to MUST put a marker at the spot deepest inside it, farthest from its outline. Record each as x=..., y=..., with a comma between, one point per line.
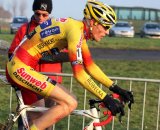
x=107, y=27
x=39, y=14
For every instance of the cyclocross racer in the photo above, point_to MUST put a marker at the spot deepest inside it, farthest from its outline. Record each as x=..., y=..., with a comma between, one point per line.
x=53, y=36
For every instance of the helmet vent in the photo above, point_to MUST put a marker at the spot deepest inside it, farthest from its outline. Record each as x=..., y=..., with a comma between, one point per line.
x=104, y=8
x=109, y=18
x=93, y=3
x=110, y=10
x=84, y=11
x=97, y=10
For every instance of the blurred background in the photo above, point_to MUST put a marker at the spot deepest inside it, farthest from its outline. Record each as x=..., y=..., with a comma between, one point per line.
x=130, y=53
x=135, y=12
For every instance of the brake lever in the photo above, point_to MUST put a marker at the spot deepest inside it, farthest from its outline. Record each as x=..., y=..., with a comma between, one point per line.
x=131, y=101
x=121, y=114
x=120, y=118
x=130, y=105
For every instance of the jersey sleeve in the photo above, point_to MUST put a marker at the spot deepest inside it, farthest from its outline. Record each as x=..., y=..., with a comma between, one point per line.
x=93, y=69
x=17, y=39
x=75, y=55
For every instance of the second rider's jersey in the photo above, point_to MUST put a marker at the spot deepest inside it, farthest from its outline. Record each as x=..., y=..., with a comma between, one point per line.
x=53, y=36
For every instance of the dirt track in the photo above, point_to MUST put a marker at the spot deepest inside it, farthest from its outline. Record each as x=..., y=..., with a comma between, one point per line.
x=102, y=53
x=3, y=52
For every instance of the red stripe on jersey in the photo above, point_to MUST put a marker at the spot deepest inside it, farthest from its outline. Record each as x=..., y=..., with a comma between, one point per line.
x=26, y=58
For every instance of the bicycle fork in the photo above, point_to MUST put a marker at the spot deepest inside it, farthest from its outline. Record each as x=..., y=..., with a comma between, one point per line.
x=93, y=114
x=96, y=119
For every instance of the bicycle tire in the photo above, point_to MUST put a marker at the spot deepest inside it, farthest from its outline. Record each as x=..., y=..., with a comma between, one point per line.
x=9, y=125
x=2, y=126
x=6, y=127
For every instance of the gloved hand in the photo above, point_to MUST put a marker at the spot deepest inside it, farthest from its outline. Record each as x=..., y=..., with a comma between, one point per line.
x=113, y=105
x=127, y=96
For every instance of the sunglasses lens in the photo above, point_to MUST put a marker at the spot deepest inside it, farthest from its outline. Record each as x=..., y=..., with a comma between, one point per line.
x=107, y=27
x=39, y=14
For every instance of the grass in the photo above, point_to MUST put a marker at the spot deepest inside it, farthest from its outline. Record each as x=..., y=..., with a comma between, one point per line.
x=123, y=68
x=113, y=68
x=127, y=43
x=7, y=37
x=114, y=42
x=3, y=59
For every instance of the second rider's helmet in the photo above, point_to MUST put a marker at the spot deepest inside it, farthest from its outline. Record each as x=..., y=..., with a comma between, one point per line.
x=102, y=13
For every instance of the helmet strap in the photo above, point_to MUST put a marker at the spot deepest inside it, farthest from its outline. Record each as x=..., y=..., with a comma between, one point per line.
x=91, y=24
x=87, y=28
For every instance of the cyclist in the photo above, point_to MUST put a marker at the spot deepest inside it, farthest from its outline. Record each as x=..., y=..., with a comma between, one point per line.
x=51, y=37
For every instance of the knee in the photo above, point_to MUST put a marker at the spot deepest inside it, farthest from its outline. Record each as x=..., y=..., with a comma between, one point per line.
x=71, y=105
x=74, y=104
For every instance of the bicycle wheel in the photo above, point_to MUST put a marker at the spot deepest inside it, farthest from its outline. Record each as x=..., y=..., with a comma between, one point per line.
x=9, y=124
x=2, y=126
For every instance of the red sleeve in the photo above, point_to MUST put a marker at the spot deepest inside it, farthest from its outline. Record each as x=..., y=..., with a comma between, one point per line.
x=18, y=37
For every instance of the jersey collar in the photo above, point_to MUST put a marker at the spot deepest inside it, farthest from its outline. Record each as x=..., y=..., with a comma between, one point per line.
x=86, y=32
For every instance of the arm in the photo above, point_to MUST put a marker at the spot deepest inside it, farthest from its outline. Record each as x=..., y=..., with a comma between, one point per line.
x=75, y=47
x=60, y=58
x=17, y=39
x=86, y=81
x=75, y=56
x=93, y=69
x=98, y=74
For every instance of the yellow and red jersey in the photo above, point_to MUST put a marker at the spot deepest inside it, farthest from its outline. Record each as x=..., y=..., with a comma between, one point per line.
x=51, y=37
x=43, y=66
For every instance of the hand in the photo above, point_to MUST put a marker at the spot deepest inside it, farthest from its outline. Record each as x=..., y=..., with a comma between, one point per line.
x=113, y=105
x=127, y=96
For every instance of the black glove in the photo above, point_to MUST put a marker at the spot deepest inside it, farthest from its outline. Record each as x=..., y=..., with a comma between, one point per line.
x=113, y=105
x=127, y=96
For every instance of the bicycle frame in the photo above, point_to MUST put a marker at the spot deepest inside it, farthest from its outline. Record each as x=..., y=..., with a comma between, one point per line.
x=92, y=113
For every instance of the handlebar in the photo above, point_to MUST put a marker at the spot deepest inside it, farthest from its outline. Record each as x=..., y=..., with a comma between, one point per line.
x=106, y=113
x=105, y=122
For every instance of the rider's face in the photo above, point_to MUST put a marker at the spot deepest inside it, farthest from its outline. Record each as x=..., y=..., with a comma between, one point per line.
x=41, y=16
x=98, y=32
